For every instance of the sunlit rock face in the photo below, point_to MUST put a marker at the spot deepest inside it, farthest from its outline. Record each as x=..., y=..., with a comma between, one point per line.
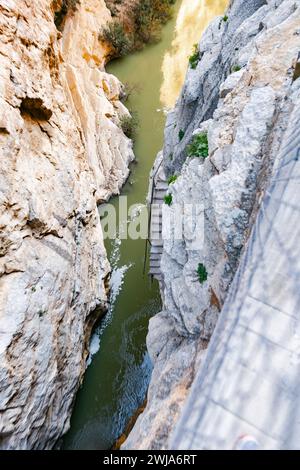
x=61, y=152
x=94, y=95
x=193, y=18
x=241, y=94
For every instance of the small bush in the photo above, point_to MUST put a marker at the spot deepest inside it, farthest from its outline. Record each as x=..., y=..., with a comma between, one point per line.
x=130, y=89
x=115, y=35
x=199, y=146
x=149, y=15
x=142, y=26
x=172, y=179
x=181, y=135
x=202, y=273
x=194, y=58
x=235, y=68
x=168, y=199
x=225, y=18
x=129, y=125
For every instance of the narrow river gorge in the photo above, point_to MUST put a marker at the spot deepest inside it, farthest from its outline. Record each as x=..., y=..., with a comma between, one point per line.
x=117, y=378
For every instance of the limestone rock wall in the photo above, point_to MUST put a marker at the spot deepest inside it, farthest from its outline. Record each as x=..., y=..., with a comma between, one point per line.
x=238, y=94
x=94, y=97
x=61, y=152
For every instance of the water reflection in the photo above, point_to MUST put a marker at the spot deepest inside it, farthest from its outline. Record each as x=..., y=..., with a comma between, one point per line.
x=193, y=18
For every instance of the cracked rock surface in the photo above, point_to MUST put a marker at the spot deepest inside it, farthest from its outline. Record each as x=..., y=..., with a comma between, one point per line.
x=61, y=152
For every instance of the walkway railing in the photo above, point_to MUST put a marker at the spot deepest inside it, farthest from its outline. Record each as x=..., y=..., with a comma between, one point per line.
x=249, y=382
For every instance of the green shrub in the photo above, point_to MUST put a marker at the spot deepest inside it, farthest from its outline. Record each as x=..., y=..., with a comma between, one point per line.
x=181, y=135
x=115, y=35
x=225, y=18
x=67, y=6
x=235, y=68
x=142, y=26
x=198, y=146
x=195, y=57
x=168, y=199
x=202, y=273
x=149, y=15
x=172, y=179
x=129, y=125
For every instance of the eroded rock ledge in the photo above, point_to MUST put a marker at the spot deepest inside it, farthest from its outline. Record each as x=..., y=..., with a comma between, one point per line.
x=240, y=95
x=61, y=152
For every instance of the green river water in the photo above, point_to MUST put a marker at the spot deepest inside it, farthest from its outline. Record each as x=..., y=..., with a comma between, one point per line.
x=116, y=381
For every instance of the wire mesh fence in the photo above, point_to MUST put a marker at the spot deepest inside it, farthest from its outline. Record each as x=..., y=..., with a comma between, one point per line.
x=249, y=380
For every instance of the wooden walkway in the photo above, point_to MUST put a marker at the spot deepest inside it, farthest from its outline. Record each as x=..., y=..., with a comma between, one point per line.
x=158, y=192
x=249, y=382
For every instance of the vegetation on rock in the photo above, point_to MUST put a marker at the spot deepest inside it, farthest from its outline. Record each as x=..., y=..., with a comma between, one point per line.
x=131, y=32
x=115, y=35
x=172, y=179
x=198, y=146
x=129, y=125
x=168, y=199
x=235, y=68
x=181, y=135
x=202, y=273
x=195, y=57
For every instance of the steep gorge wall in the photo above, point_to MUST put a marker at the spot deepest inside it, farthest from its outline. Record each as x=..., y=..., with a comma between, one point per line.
x=61, y=152
x=241, y=93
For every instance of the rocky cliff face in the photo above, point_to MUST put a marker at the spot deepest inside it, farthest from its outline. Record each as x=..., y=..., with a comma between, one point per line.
x=239, y=96
x=61, y=152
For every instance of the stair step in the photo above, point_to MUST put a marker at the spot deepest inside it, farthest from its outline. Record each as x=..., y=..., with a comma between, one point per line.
x=156, y=250
x=156, y=213
x=158, y=256
x=155, y=237
x=155, y=233
x=158, y=200
x=157, y=210
x=157, y=243
x=155, y=262
x=157, y=205
x=155, y=256
x=155, y=271
x=156, y=220
x=156, y=223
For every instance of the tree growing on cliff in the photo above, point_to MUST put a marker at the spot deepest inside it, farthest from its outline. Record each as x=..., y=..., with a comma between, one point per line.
x=129, y=125
x=131, y=31
x=115, y=35
x=149, y=15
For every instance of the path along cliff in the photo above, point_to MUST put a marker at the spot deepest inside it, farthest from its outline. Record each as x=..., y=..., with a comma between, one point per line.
x=62, y=152
x=241, y=88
